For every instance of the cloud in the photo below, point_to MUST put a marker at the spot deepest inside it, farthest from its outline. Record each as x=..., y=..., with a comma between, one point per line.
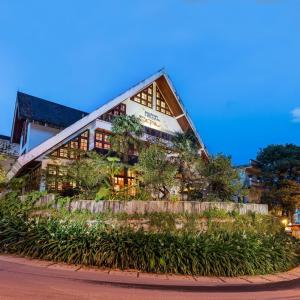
x=296, y=115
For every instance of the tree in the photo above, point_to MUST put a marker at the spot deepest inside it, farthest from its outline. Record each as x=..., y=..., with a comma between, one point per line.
x=280, y=174
x=94, y=175
x=2, y=171
x=3, y=178
x=280, y=161
x=222, y=180
x=112, y=167
x=156, y=172
x=186, y=158
x=284, y=197
x=126, y=131
x=87, y=173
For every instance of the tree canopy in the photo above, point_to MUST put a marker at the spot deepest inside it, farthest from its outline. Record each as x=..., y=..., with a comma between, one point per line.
x=126, y=131
x=157, y=173
x=280, y=174
x=280, y=161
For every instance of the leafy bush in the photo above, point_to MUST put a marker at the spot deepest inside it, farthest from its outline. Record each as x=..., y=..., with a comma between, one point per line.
x=215, y=213
x=218, y=254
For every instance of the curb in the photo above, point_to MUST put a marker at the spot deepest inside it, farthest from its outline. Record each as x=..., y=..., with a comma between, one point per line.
x=149, y=281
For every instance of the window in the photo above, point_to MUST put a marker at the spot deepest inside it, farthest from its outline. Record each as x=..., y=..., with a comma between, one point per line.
x=125, y=179
x=71, y=149
x=56, y=179
x=102, y=139
x=144, y=97
x=118, y=110
x=158, y=134
x=161, y=104
x=34, y=180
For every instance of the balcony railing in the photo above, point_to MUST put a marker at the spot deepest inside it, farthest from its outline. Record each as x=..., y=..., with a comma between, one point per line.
x=150, y=131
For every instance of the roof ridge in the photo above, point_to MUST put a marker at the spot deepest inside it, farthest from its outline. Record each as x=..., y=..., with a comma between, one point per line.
x=50, y=101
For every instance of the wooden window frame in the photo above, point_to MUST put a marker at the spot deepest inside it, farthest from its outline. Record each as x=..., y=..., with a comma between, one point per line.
x=148, y=101
x=119, y=110
x=57, y=183
x=164, y=109
x=69, y=151
x=158, y=134
x=104, y=142
x=128, y=181
x=34, y=179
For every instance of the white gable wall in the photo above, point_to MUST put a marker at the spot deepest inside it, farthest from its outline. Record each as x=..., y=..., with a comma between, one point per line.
x=152, y=118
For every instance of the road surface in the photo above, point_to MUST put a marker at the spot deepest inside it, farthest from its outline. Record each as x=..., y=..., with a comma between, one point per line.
x=32, y=279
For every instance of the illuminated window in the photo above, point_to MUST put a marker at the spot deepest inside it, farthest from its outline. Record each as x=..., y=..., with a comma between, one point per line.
x=102, y=139
x=126, y=178
x=71, y=149
x=56, y=179
x=118, y=110
x=161, y=104
x=84, y=144
x=144, y=97
x=63, y=152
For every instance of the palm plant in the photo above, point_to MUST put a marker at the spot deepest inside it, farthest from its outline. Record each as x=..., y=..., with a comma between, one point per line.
x=112, y=167
x=126, y=131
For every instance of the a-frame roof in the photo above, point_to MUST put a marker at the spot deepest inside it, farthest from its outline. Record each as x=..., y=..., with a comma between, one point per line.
x=165, y=85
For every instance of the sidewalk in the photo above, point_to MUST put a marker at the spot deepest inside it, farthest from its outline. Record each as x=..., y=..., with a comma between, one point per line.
x=147, y=280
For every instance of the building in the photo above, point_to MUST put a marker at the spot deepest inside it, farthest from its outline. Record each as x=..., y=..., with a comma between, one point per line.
x=49, y=133
x=251, y=179
x=9, y=152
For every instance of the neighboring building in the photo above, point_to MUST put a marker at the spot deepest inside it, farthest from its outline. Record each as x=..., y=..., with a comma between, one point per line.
x=49, y=133
x=250, y=175
x=7, y=147
x=36, y=120
x=9, y=150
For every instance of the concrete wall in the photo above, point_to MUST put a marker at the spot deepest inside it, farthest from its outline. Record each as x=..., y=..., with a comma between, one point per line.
x=142, y=207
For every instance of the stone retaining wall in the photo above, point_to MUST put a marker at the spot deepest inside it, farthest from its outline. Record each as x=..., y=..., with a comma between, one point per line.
x=142, y=207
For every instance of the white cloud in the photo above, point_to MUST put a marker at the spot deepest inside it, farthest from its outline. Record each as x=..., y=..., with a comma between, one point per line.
x=296, y=115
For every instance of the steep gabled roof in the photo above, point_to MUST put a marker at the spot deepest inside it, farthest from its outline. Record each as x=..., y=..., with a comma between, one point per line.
x=164, y=84
x=44, y=111
x=37, y=109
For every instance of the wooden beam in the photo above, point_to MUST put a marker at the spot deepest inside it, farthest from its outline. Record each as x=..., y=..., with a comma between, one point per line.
x=169, y=96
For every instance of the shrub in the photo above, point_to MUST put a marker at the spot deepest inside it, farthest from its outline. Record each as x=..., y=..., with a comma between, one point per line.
x=216, y=254
x=221, y=251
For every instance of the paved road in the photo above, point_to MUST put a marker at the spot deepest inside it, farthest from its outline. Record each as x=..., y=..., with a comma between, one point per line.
x=24, y=279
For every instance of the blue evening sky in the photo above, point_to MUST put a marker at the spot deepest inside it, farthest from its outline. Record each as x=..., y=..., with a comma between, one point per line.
x=235, y=64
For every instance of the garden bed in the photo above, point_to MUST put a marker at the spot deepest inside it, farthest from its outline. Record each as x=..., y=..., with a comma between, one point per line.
x=258, y=247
